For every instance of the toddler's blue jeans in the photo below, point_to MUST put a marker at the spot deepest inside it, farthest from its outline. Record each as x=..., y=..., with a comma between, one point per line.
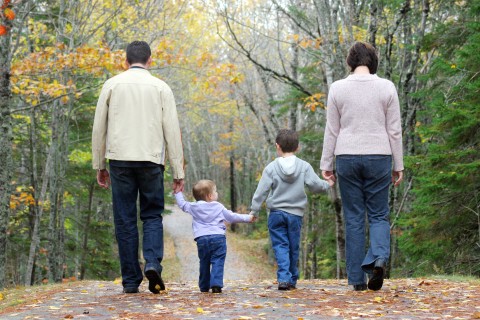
x=212, y=251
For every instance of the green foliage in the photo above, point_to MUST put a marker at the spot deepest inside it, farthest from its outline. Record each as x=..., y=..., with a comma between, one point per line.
x=442, y=232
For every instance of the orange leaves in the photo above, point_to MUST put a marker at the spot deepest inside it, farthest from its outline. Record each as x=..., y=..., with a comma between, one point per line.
x=22, y=196
x=3, y=30
x=314, y=101
x=39, y=74
x=5, y=4
x=9, y=14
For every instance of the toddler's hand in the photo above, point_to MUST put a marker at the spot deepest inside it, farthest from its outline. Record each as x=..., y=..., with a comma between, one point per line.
x=252, y=218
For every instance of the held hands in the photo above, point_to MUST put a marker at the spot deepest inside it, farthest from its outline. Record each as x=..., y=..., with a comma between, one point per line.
x=253, y=217
x=178, y=185
x=329, y=177
x=103, y=178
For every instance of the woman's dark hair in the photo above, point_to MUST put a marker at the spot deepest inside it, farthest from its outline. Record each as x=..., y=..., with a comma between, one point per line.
x=287, y=140
x=363, y=54
x=138, y=52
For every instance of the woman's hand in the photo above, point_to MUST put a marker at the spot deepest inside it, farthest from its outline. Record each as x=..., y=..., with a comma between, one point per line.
x=329, y=176
x=397, y=177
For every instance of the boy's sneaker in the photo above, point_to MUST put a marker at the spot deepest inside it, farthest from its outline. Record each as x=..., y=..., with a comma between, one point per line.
x=284, y=286
x=155, y=282
x=216, y=290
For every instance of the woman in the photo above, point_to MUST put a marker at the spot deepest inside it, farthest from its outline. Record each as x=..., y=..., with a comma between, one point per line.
x=363, y=135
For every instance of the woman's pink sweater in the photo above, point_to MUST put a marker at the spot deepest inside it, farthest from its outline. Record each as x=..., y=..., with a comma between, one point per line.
x=363, y=117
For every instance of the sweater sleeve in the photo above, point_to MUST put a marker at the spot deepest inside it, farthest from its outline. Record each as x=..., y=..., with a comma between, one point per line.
x=332, y=130
x=263, y=188
x=313, y=181
x=394, y=130
x=233, y=217
x=182, y=203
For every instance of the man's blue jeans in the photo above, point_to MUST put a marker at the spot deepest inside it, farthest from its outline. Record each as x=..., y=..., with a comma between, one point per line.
x=364, y=182
x=285, y=230
x=146, y=184
x=212, y=251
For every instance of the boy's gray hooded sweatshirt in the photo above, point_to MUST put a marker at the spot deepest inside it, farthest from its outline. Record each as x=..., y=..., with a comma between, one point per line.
x=283, y=185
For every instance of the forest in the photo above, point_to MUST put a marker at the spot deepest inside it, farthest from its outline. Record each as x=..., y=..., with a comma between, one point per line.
x=240, y=70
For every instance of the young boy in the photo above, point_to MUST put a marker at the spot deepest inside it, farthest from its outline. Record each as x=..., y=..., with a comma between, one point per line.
x=209, y=232
x=283, y=186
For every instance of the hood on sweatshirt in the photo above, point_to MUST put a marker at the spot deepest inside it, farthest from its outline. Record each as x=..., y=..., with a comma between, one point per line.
x=286, y=168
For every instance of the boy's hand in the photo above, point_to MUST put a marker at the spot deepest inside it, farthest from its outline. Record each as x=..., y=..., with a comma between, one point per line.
x=252, y=218
x=331, y=183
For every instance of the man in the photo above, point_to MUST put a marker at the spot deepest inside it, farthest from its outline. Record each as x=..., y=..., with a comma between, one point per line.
x=135, y=123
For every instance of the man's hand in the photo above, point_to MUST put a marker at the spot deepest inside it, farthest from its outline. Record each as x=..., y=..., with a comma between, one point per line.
x=178, y=185
x=329, y=176
x=103, y=178
x=397, y=177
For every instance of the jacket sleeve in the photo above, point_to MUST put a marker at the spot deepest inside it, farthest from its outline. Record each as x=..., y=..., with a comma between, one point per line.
x=332, y=130
x=172, y=134
x=182, y=203
x=263, y=188
x=100, y=126
x=233, y=217
x=313, y=181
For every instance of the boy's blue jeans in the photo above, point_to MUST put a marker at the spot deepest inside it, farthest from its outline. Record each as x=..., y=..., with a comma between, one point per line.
x=364, y=182
x=128, y=184
x=212, y=251
x=285, y=230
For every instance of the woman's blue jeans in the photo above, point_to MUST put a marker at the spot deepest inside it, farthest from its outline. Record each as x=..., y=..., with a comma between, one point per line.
x=212, y=251
x=285, y=229
x=128, y=185
x=364, y=182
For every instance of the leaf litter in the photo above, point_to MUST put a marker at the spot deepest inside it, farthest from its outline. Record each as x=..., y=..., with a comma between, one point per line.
x=314, y=299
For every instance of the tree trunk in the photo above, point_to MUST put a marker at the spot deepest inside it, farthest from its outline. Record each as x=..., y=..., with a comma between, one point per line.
x=6, y=139
x=86, y=228
x=29, y=275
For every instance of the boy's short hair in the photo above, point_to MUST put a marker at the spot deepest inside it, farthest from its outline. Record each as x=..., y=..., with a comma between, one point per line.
x=363, y=54
x=202, y=189
x=138, y=52
x=287, y=140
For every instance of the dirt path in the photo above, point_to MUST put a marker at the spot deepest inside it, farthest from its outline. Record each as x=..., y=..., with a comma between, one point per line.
x=246, y=294
x=314, y=299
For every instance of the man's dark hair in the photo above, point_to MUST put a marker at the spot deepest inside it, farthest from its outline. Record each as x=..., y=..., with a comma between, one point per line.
x=287, y=140
x=363, y=54
x=138, y=52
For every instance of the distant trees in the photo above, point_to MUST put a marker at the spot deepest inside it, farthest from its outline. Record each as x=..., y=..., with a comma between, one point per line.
x=239, y=71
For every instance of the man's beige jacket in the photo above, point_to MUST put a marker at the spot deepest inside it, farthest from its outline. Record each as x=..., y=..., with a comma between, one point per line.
x=136, y=120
